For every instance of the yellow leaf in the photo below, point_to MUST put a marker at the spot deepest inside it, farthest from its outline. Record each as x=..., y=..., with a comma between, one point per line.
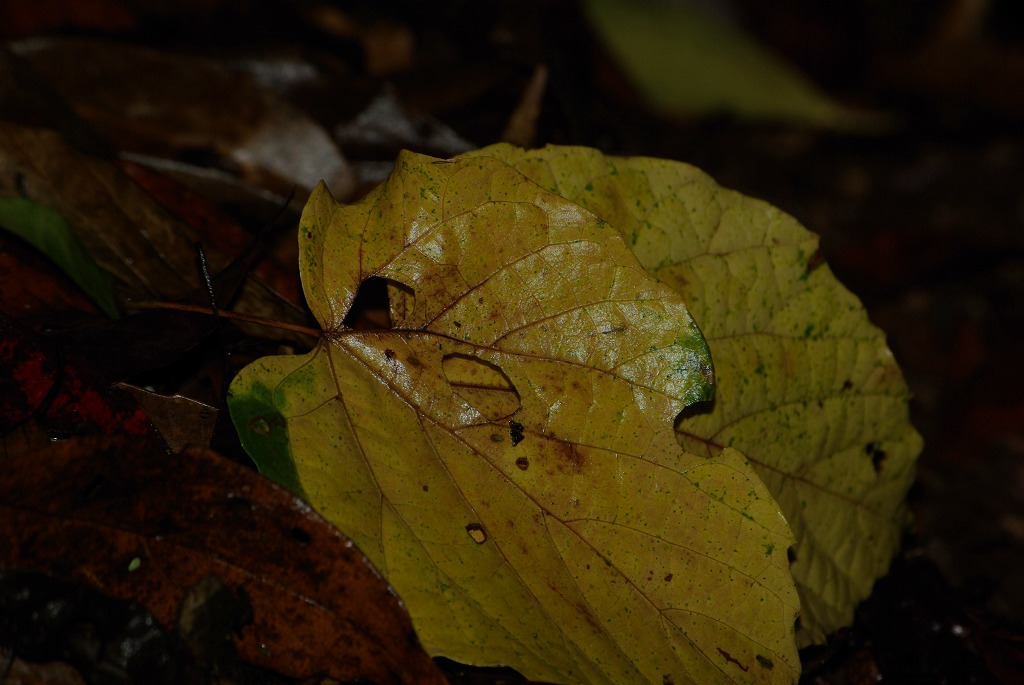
x=806, y=387
x=505, y=451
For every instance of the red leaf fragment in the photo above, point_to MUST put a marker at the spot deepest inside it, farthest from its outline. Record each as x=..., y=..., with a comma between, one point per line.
x=66, y=397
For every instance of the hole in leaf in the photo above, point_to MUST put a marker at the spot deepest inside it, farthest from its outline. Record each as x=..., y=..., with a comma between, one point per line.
x=877, y=454
x=682, y=433
x=379, y=304
x=695, y=409
x=515, y=432
x=477, y=532
x=481, y=384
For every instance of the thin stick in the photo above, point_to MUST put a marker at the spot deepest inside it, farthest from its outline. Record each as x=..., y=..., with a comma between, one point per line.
x=234, y=316
x=206, y=277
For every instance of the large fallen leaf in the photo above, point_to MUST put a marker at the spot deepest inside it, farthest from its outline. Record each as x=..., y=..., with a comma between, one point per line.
x=139, y=524
x=505, y=452
x=806, y=387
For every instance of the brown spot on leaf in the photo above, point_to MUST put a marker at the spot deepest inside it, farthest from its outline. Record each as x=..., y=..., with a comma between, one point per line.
x=390, y=354
x=765, y=662
x=523, y=463
x=668, y=578
x=571, y=456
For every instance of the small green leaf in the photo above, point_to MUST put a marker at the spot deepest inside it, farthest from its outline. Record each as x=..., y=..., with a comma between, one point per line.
x=686, y=61
x=45, y=229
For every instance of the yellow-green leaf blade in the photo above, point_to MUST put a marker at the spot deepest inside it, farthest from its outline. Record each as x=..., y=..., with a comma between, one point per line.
x=806, y=387
x=571, y=539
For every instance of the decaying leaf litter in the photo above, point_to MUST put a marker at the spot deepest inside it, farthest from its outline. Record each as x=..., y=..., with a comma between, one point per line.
x=463, y=290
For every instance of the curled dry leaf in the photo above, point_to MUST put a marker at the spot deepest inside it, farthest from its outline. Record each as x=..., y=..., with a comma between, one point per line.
x=504, y=451
x=806, y=387
x=149, y=527
x=181, y=421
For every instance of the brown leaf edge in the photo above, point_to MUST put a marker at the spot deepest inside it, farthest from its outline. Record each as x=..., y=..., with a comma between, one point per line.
x=138, y=524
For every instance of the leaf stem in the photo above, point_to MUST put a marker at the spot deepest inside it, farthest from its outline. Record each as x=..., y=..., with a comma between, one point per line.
x=234, y=316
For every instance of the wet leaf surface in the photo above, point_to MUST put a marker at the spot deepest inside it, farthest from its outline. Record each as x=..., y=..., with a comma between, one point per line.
x=503, y=449
x=805, y=385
